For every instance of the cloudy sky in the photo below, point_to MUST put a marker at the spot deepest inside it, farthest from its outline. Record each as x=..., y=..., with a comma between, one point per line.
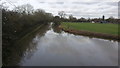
x=78, y=8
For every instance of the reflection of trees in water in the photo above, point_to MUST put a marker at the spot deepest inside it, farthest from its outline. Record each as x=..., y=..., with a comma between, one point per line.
x=21, y=48
x=56, y=29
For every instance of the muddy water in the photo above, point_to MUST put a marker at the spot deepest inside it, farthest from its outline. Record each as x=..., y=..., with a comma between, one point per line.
x=58, y=48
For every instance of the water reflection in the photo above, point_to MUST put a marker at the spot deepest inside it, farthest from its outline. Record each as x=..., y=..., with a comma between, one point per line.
x=22, y=48
x=64, y=49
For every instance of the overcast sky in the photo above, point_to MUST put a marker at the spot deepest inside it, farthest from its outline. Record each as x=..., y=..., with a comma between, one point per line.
x=78, y=8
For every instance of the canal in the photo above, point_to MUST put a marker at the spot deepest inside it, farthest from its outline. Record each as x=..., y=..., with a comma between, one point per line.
x=50, y=46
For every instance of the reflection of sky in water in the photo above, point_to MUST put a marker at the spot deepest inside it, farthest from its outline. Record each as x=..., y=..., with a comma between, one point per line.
x=64, y=49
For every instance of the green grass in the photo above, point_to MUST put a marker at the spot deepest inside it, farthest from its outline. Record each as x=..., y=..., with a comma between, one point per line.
x=93, y=27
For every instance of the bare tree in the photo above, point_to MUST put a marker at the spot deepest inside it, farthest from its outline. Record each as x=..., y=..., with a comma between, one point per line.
x=26, y=8
x=61, y=14
x=2, y=5
x=71, y=17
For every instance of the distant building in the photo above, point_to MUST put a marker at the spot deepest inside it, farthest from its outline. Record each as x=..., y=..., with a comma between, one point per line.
x=103, y=19
x=119, y=9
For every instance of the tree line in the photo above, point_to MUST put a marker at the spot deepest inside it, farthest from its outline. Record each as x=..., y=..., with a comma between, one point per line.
x=18, y=22
x=62, y=16
x=21, y=18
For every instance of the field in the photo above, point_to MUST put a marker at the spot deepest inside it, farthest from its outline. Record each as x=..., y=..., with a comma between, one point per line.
x=93, y=27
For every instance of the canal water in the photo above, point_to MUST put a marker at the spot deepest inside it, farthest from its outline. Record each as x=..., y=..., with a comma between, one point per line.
x=53, y=47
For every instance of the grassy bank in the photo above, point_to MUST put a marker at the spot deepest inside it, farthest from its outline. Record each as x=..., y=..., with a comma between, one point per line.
x=92, y=27
x=105, y=31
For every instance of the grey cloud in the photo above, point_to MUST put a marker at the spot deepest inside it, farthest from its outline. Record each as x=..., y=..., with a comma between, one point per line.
x=85, y=3
x=59, y=2
x=112, y=3
x=41, y=2
x=108, y=3
x=52, y=3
